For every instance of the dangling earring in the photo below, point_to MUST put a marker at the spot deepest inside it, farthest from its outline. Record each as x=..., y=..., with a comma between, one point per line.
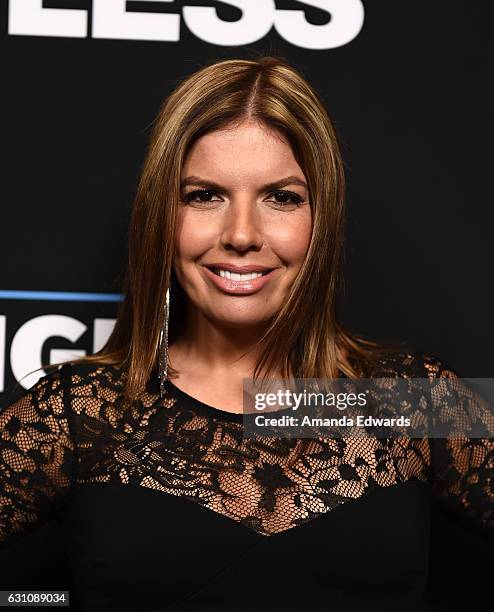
x=163, y=344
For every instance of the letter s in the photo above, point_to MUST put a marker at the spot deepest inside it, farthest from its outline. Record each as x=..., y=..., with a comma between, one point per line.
x=256, y=21
x=347, y=19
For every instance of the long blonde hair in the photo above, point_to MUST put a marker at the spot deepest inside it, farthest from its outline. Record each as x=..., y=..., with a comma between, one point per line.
x=305, y=336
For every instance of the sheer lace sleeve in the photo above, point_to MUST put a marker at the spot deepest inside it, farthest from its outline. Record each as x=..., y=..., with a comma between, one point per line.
x=462, y=464
x=36, y=452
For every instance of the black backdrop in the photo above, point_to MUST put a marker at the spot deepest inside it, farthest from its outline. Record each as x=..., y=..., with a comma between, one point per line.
x=79, y=91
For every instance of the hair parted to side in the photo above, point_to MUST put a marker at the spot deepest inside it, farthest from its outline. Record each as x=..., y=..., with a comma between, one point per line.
x=305, y=336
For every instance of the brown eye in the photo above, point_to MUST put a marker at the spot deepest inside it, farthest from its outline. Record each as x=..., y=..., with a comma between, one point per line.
x=286, y=198
x=199, y=195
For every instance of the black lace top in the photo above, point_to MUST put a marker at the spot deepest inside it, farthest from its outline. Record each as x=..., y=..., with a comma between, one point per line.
x=165, y=506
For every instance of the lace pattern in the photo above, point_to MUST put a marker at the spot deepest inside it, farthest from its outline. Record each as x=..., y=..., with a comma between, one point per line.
x=71, y=427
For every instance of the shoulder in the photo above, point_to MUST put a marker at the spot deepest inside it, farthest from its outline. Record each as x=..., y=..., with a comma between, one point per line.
x=414, y=363
x=90, y=379
x=72, y=379
x=63, y=394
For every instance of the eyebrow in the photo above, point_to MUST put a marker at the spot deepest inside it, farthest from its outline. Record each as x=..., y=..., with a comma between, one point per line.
x=283, y=182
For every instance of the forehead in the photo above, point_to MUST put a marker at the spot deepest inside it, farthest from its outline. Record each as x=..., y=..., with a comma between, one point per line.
x=248, y=151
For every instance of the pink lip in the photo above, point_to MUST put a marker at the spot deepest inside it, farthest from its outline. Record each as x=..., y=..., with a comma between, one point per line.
x=235, y=287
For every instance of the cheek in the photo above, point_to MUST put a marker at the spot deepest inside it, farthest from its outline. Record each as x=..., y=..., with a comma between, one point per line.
x=290, y=238
x=193, y=237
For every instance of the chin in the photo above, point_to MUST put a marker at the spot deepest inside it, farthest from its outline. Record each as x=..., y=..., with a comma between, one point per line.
x=241, y=321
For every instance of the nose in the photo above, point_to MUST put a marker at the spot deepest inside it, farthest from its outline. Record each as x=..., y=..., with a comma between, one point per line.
x=242, y=229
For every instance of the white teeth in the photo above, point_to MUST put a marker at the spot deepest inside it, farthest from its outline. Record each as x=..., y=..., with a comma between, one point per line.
x=238, y=277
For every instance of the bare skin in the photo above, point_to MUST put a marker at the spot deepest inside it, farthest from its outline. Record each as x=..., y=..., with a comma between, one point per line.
x=239, y=223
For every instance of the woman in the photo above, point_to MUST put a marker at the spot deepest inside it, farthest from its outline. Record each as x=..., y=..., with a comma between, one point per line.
x=234, y=256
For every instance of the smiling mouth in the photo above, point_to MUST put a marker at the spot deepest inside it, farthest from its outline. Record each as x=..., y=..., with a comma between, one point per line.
x=237, y=276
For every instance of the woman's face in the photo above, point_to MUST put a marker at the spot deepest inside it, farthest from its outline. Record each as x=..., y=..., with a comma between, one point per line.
x=244, y=208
